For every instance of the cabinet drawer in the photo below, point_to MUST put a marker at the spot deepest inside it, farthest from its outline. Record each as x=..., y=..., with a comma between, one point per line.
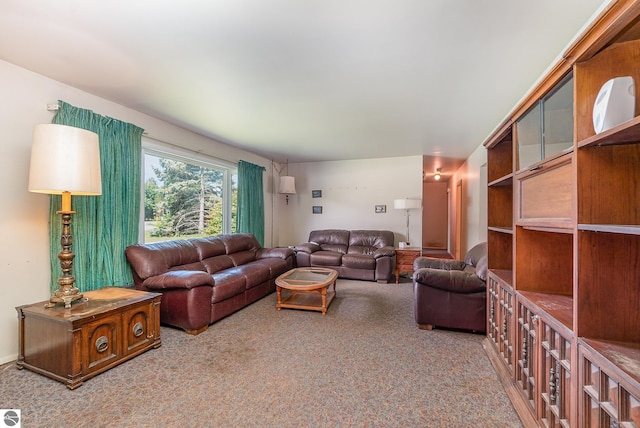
x=545, y=195
x=407, y=258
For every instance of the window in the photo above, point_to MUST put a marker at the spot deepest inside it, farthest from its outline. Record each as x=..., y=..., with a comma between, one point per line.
x=186, y=196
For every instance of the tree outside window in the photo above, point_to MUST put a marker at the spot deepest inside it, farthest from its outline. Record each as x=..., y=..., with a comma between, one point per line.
x=184, y=199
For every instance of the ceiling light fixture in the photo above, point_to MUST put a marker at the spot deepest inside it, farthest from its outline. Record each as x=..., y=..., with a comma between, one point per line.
x=436, y=176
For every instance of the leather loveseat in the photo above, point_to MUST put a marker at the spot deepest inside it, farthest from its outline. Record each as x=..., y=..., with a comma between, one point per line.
x=355, y=254
x=451, y=293
x=205, y=279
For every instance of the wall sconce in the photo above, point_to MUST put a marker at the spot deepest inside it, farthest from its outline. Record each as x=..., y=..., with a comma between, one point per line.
x=436, y=176
x=65, y=160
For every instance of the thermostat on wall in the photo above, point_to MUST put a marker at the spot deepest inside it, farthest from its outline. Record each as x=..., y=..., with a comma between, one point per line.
x=615, y=103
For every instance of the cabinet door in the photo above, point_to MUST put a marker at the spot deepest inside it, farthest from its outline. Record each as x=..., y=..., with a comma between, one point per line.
x=555, y=376
x=544, y=195
x=547, y=128
x=493, y=311
x=138, y=328
x=506, y=328
x=606, y=401
x=527, y=354
x=101, y=343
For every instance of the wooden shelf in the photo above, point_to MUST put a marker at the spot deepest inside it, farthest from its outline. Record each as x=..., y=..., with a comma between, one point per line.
x=544, y=262
x=507, y=180
x=608, y=292
x=556, y=306
x=507, y=230
x=611, y=228
x=626, y=133
x=608, y=185
x=506, y=276
x=624, y=357
x=500, y=248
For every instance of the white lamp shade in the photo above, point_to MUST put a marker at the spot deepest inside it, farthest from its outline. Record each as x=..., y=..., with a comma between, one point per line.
x=287, y=185
x=64, y=159
x=407, y=204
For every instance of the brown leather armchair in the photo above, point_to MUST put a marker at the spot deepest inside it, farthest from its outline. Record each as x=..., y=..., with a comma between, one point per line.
x=451, y=293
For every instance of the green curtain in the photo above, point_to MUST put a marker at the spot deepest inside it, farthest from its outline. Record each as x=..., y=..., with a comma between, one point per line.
x=250, y=215
x=104, y=225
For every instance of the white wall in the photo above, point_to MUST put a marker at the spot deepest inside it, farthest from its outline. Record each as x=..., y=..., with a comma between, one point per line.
x=24, y=276
x=350, y=191
x=474, y=178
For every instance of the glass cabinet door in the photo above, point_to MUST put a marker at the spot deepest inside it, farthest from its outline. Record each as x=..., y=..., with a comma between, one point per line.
x=557, y=120
x=529, y=137
x=547, y=128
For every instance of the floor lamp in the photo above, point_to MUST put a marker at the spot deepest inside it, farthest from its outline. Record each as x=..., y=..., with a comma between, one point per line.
x=65, y=161
x=407, y=204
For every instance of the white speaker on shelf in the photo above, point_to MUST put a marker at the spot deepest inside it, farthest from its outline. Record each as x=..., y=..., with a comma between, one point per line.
x=615, y=103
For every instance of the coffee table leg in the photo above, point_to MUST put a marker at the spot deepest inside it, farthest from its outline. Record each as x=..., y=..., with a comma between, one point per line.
x=279, y=293
x=324, y=301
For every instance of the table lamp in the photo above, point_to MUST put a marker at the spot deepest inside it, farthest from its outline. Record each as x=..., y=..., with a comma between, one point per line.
x=65, y=161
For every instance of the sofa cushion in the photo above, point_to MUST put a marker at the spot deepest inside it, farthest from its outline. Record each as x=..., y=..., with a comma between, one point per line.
x=159, y=257
x=178, y=279
x=481, y=268
x=336, y=240
x=359, y=261
x=243, y=257
x=475, y=253
x=254, y=273
x=276, y=266
x=455, y=281
x=198, y=266
x=217, y=263
x=210, y=246
x=239, y=242
x=326, y=258
x=370, y=239
x=435, y=263
x=228, y=284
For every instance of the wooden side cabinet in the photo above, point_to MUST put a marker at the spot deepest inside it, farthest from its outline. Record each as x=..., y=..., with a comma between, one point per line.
x=72, y=345
x=405, y=258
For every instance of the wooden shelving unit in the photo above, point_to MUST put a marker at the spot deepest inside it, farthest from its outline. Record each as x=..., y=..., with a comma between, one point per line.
x=564, y=244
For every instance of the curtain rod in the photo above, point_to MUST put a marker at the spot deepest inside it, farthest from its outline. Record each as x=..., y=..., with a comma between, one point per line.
x=56, y=107
x=197, y=152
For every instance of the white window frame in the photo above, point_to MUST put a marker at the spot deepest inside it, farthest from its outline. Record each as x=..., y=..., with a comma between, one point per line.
x=160, y=149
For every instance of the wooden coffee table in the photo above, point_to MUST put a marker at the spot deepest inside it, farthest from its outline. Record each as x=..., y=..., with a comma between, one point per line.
x=308, y=288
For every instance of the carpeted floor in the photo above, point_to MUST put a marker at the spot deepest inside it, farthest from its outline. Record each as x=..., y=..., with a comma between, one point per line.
x=364, y=364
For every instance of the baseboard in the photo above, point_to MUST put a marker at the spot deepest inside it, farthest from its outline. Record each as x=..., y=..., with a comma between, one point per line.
x=8, y=358
x=518, y=402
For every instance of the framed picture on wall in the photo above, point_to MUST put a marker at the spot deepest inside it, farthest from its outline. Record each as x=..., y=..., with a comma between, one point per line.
x=317, y=209
x=316, y=193
x=381, y=209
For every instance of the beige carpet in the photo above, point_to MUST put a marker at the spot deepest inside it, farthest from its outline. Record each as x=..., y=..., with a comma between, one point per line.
x=364, y=364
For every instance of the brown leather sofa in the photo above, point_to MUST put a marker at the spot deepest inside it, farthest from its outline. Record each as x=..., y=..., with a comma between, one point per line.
x=205, y=279
x=355, y=254
x=451, y=293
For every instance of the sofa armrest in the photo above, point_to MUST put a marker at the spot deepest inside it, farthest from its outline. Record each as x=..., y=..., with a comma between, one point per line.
x=308, y=247
x=449, y=280
x=278, y=253
x=387, y=251
x=434, y=263
x=178, y=279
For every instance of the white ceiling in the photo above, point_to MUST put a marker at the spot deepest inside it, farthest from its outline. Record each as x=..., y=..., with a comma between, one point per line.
x=303, y=80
